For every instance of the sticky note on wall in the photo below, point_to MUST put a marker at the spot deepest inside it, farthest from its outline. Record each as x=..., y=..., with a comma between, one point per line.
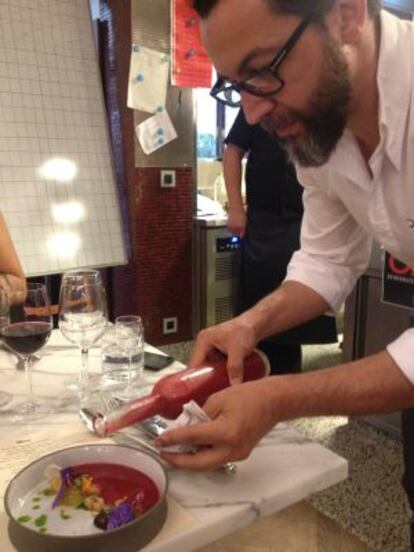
x=148, y=79
x=155, y=132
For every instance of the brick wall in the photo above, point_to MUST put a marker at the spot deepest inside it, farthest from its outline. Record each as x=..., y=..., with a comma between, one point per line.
x=157, y=283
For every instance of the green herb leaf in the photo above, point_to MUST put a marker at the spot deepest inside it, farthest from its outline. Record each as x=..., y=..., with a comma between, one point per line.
x=81, y=507
x=24, y=519
x=64, y=515
x=41, y=520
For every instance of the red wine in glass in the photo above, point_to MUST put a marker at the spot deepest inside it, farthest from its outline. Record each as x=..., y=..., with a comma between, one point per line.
x=29, y=331
x=26, y=338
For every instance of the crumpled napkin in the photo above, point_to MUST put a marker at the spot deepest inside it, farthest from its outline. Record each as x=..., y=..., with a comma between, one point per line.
x=192, y=414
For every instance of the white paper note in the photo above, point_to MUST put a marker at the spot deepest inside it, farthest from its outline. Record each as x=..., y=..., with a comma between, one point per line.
x=155, y=132
x=148, y=79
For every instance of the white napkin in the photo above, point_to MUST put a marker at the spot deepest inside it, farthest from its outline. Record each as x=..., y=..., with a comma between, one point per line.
x=192, y=414
x=155, y=132
x=148, y=79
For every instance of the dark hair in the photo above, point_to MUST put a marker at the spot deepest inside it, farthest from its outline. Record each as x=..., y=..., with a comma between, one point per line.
x=203, y=7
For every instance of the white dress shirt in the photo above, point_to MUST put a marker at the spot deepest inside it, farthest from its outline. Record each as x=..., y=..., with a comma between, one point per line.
x=346, y=208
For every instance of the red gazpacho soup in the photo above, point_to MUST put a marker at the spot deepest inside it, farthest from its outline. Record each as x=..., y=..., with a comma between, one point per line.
x=113, y=493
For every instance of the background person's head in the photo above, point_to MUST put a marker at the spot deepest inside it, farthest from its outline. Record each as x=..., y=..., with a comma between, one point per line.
x=310, y=109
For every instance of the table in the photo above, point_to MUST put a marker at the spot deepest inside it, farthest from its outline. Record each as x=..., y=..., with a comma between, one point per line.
x=284, y=468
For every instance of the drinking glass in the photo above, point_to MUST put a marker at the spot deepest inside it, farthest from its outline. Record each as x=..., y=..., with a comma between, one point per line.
x=4, y=320
x=129, y=332
x=28, y=332
x=83, y=317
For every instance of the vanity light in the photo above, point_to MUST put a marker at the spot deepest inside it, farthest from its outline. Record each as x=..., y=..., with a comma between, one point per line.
x=64, y=244
x=60, y=169
x=69, y=212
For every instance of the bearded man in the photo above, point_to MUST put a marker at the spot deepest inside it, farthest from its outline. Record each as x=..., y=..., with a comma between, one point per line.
x=333, y=79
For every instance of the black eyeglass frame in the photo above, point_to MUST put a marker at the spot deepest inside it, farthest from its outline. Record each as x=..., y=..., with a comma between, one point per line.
x=272, y=68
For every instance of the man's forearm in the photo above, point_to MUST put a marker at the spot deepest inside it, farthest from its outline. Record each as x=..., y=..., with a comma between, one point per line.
x=290, y=305
x=368, y=386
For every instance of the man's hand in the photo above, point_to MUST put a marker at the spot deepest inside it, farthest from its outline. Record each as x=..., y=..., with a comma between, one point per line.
x=240, y=416
x=236, y=222
x=233, y=338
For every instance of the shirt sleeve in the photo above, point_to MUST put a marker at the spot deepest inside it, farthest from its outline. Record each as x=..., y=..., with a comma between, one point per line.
x=402, y=352
x=334, y=250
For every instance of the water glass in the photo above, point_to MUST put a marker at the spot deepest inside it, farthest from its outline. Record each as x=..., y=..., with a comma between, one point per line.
x=115, y=366
x=130, y=342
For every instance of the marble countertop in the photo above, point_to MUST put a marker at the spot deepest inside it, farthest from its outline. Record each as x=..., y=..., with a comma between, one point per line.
x=285, y=467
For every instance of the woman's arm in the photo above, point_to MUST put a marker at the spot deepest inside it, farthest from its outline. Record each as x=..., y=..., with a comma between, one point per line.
x=12, y=277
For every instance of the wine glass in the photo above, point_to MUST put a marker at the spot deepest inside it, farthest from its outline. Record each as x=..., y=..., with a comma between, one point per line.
x=5, y=397
x=83, y=317
x=28, y=332
x=129, y=333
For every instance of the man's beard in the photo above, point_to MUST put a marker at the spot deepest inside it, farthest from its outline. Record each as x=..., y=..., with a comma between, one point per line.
x=325, y=120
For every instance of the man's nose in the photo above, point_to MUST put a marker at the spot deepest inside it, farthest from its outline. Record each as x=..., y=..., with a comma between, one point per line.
x=255, y=107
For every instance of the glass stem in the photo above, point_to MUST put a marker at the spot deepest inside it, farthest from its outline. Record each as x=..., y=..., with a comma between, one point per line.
x=27, y=361
x=84, y=374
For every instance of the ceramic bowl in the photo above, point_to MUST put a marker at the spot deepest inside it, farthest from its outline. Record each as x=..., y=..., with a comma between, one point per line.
x=129, y=537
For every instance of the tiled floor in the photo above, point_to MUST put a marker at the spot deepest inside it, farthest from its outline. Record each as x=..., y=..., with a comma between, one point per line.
x=300, y=528
x=370, y=505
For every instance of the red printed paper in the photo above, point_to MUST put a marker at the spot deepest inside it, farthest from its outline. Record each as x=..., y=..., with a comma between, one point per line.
x=190, y=65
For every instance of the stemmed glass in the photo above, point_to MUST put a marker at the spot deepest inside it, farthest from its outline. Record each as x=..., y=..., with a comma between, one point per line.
x=83, y=317
x=129, y=333
x=5, y=397
x=25, y=335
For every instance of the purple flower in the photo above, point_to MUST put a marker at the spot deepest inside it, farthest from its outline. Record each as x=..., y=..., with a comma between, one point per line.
x=122, y=514
x=66, y=476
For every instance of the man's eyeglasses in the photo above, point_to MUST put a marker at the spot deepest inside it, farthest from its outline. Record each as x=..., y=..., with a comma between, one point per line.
x=262, y=83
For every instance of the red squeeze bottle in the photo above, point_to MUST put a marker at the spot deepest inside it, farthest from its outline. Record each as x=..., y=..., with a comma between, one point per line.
x=170, y=393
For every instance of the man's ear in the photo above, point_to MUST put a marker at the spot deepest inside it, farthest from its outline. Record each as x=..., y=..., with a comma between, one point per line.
x=352, y=18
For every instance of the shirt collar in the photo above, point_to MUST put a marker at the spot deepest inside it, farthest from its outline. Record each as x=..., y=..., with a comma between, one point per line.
x=394, y=78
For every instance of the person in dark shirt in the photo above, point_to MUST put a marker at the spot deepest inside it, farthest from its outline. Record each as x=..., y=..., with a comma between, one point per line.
x=270, y=232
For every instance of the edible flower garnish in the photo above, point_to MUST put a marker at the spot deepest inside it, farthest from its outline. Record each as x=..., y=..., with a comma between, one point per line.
x=66, y=477
x=81, y=491
x=122, y=514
